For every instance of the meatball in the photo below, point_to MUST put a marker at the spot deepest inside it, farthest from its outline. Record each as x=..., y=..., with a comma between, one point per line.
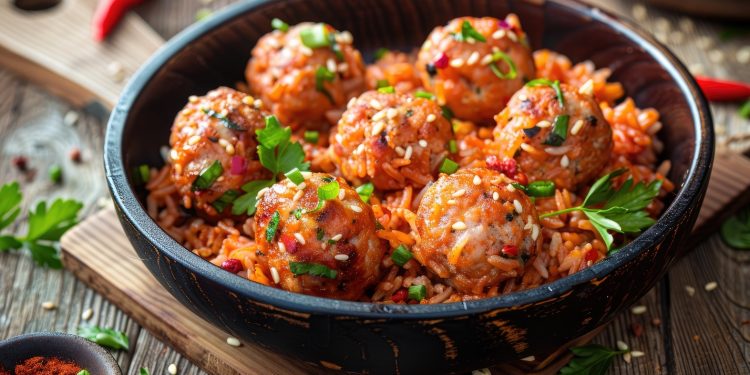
x=393, y=140
x=303, y=85
x=213, y=148
x=475, y=78
x=396, y=68
x=338, y=238
x=476, y=230
x=533, y=130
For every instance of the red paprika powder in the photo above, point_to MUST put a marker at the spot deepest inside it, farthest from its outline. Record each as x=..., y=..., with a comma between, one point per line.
x=47, y=366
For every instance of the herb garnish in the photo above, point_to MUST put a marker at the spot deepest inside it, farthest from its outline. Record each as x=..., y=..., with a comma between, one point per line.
x=143, y=371
x=365, y=191
x=380, y=52
x=401, y=255
x=323, y=75
x=83, y=372
x=313, y=269
x=55, y=173
x=736, y=230
x=208, y=176
x=744, y=110
x=590, y=360
x=229, y=124
x=225, y=200
x=386, y=90
x=417, y=292
x=559, y=132
x=311, y=136
x=448, y=166
x=424, y=94
x=622, y=210
x=315, y=36
x=272, y=225
x=468, y=32
x=107, y=337
x=555, y=85
x=280, y=25
x=512, y=70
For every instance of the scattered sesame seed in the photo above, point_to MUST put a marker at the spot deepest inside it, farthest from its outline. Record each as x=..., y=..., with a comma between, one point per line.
x=686, y=24
x=376, y=128
x=512, y=36
x=431, y=117
x=473, y=58
x=711, y=286
x=534, y=232
x=408, y=152
x=621, y=345
x=331, y=65
x=639, y=12
x=300, y=238
x=638, y=310
x=528, y=148
x=517, y=206
x=499, y=34
x=423, y=143
x=87, y=314
x=223, y=142
x=49, y=305
x=457, y=63
x=690, y=290
x=70, y=118
x=172, y=369
x=477, y=180
x=627, y=357
x=341, y=257
x=193, y=99
x=229, y=149
x=337, y=237
x=716, y=56
x=496, y=195
x=743, y=55
x=486, y=60
x=451, y=201
x=378, y=116
x=587, y=88
x=344, y=37
x=530, y=358
x=676, y=37
x=704, y=42
x=391, y=113
x=233, y=341
x=376, y=104
x=258, y=104
x=459, y=225
x=275, y=275
x=577, y=126
x=194, y=139
x=564, y=161
x=282, y=247
x=399, y=150
x=459, y=193
x=637, y=353
x=543, y=124
x=662, y=24
x=355, y=208
x=116, y=71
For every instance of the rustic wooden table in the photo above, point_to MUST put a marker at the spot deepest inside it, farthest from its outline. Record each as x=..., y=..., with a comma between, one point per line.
x=680, y=333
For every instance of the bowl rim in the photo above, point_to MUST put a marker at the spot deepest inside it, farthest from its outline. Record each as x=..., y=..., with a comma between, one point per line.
x=696, y=179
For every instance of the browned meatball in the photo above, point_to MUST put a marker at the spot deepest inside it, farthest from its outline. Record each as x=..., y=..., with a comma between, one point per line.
x=217, y=130
x=393, y=140
x=282, y=72
x=476, y=229
x=339, y=238
x=571, y=157
x=460, y=70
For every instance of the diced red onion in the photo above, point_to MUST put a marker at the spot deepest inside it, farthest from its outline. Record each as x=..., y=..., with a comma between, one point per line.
x=239, y=164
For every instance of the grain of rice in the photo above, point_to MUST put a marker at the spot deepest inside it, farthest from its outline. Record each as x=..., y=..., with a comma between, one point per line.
x=621, y=345
x=495, y=195
x=638, y=310
x=376, y=128
x=517, y=206
x=391, y=113
x=355, y=208
x=458, y=193
x=400, y=151
x=587, y=88
x=342, y=193
x=379, y=115
x=528, y=148
x=341, y=257
x=512, y=36
x=459, y=225
x=477, y=180
x=557, y=151
x=300, y=238
x=637, y=353
x=711, y=286
x=627, y=357
x=431, y=117
x=194, y=139
x=275, y=275
x=282, y=247
x=233, y=341
x=302, y=186
x=534, y=232
x=374, y=103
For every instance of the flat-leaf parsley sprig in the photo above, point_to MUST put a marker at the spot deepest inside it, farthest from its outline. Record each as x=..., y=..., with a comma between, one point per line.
x=590, y=360
x=621, y=210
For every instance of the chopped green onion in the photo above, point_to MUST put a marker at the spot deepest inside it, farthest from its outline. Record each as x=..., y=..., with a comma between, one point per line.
x=55, y=173
x=380, y=52
x=401, y=255
x=335, y=47
x=447, y=112
x=142, y=174
x=541, y=189
x=297, y=212
x=448, y=166
x=229, y=124
x=469, y=32
x=424, y=95
x=315, y=36
x=280, y=25
x=311, y=136
x=512, y=71
x=417, y=292
x=143, y=371
x=386, y=90
x=555, y=85
x=323, y=75
x=273, y=224
x=326, y=192
x=295, y=176
x=744, y=111
x=224, y=200
x=313, y=269
x=365, y=191
x=320, y=233
x=452, y=146
x=208, y=176
x=83, y=372
x=559, y=131
x=382, y=83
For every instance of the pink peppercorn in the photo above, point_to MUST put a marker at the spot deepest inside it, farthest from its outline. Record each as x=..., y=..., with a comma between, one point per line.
x=232, y=265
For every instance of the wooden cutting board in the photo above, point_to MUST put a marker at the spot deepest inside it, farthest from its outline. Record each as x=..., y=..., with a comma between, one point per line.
x=89, y=248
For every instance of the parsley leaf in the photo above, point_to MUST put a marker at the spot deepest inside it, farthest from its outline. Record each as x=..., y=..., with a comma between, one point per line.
x=246, y=203
x=143, y=371
x=50, y=224
x=622, y=211
x=10, y=200
x=590, y=360
x=107, y=337
x=736, y=230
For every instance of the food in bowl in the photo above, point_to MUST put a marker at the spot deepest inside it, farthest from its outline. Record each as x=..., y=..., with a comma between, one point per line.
x=505, y=170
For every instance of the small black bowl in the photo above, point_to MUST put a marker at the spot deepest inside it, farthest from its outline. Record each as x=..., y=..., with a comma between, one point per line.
x=82, y=352
x=438, y=338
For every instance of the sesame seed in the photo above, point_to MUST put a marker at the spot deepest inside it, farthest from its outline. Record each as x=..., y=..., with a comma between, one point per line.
x=407, y=154
x=355, y=208
x=337, y=237
x=716, y=56
x=275, y=275
x=194, y=139
x=249, y=100
x=499, y=34
x=376, y=128
x=495, y=195
x=473, y=58
x=486, y=60
x=639, y=12
x=223, y=142
x=510, y=188
x=528, y=148
x=743, y=55
x=306, y=51
x=690, y=290
x=331, y=65
x=637, y=353
x=282, y=247
x=173, y=154
x=534, y=232
x=300, y=238
x=638, y=310
x=233, y=341
x=587, y=88
x=457, y=63
x=459, y=225
x=451, y=201
x=192, y=98
x=477, y=180
x=423, y=143
x=431, y=117
x=576, y=127
x=621, y=345
x=376, y=104
x=116, y=71
x=530, y=358
x=391, y=113
x=378, y=116
x=399, y=150
x=87, y=314
x=341, y=257
x=543, y=124
x=172, y=369
x=564, y=161
x=627, y=357
x=711, y=286
x=459, y=193
x=517, y=206
x=49, y=305
x=229, y=149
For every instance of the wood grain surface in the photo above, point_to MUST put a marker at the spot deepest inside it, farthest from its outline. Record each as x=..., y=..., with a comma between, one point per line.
x=703, y=334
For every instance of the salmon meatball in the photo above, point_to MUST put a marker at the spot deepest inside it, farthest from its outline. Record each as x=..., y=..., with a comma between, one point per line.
x=567, y=142
x=476, y=230
x=307, y=74
x=323, y=247
x=213, y=148
x=393, y=140
x=474, y=65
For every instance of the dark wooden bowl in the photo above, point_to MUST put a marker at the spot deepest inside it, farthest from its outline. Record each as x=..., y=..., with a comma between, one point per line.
x=413, y=338
x=84, y=353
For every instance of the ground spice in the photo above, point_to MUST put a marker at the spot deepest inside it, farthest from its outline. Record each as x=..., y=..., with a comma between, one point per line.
x=3, y=371
x=47, y=366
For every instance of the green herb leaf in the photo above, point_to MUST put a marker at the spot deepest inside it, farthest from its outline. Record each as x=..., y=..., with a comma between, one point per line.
x=417, y=292
x=424, y=95
x=143, y=371
x=9, y=243
x=315, y=36
x=469, y=32
x=590, y=360
x=602, y=190
x=143, y=174
x=313, y=269
x=280, y=25
x=55, y=173
x=382, y=83
x=386, y=90
x=273, y=224
x=736, y=230
x=447, y=112
x=401, y=255
x=203, y=13
x=224, y=200
x=106, y=337
x=323, y=75
x=555, y=85
x=275, y=151
x=50, y=224
x=448, y=166
x=295, y=176
x=540, y=189
x=10, y=201
x=208, y=176
x=512, y=70
x=365, y=191
x=273, y=134
x=83, y=372
x=559, y=131
x=452, y=146
x=311, y=136
x=246, y=203
x=380, y=52
x=744, y=110
x=229, y=124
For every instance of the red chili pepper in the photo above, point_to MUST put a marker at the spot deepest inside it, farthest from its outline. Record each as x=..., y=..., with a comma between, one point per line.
x=400, y=295
x=108, y=13
x=719, y=90
x=510, y=250
x=232, y=265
